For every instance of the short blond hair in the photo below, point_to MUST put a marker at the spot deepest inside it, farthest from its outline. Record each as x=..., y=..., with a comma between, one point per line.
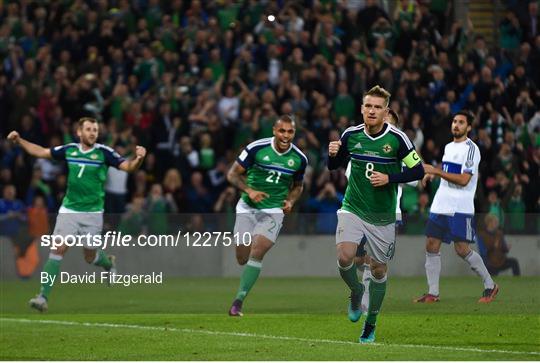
x=378, y=91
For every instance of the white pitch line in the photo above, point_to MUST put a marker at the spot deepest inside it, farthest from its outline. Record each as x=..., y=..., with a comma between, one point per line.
x=261, y=336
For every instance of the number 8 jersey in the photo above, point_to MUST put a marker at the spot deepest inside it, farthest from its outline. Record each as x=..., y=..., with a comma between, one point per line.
x=384, y=153
x=271, y=172
x=87, y=172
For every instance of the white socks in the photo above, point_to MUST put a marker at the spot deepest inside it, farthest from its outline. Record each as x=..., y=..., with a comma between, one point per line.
x=433, y=272
x=477, y=265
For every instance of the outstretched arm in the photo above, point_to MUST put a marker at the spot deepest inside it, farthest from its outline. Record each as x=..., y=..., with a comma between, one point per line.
x=135, y=163
x=31, y=148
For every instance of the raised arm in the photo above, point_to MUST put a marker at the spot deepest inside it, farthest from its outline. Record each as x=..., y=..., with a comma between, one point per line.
x=337, y=155
x=31, y=148
x=135, y=163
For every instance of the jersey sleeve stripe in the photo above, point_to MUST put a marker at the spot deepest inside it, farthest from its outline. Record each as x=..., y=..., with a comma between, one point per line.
x=108, y=148
x=470, y=155
x=403, y=136
x=259, y=143
x=302, y=155
x=352, y=129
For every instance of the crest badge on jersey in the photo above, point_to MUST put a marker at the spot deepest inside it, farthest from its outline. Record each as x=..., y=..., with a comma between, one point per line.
x=93, y=156
x=290, y=162
x=387, y=148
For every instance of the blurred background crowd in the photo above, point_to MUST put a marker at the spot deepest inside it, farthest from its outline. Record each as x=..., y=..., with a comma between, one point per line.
x=196, y=81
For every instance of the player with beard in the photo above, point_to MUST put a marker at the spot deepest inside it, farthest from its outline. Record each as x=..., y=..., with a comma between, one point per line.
x=81, y=212
x=451, y=217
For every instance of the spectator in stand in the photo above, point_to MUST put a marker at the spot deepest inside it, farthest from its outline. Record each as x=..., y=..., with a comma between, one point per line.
x=495, y=249
x=153, y=74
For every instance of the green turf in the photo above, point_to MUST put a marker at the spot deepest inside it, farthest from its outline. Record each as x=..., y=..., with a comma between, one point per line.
x=286, y=319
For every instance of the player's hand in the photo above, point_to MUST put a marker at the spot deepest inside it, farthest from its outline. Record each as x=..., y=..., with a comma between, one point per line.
x=140, y=152
x=430, y=169
x=333, y=148
x=287, y=206
x=256, y=196
x=427, y=178
x=378, y=179
x=13, y=137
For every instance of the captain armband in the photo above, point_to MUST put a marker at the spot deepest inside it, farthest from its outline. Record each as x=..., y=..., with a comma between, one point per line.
x=412, y=159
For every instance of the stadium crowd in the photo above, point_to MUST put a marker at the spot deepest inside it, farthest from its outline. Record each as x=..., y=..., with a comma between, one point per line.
x=195, y=81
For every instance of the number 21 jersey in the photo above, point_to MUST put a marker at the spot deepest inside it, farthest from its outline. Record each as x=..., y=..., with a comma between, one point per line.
x=271, y=172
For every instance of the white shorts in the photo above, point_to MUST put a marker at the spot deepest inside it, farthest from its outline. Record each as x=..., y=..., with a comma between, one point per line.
x=265, y=222
x=380, y=240
x=75, y=223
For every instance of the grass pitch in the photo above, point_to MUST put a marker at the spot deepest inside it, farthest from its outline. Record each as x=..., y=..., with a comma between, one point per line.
x=285, y=319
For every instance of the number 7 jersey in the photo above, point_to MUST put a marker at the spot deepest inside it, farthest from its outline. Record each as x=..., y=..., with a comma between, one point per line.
x=384, y=153
x=87, y=172
x=271, y=172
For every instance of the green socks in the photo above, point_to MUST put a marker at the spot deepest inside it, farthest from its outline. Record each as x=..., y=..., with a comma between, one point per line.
x=249, y=277
x=52, y=270
x=349, y=275
x=377, y=289
x=102, y=260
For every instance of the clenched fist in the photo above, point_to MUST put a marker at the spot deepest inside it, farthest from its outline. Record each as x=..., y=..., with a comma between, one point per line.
x=140, y=152
x=13, y=137
x=333, y=148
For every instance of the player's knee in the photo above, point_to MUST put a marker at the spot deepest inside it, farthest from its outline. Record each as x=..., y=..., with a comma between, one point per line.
x=257, y=253
x=89, y=256
x=462, y=249
x=241, y=259
x=433, y=245
x=345, y=259
x=242, y=254
x=60, y=250
x=379, y=272
x=345, y=254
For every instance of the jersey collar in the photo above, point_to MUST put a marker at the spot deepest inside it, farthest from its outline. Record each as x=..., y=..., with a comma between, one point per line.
x=276, y=151
x=87, y=151
x=379, y=134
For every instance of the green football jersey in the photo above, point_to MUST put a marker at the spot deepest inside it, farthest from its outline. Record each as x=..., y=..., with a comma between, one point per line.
x=384, y=153
x=271, y=172
x=87, y=172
